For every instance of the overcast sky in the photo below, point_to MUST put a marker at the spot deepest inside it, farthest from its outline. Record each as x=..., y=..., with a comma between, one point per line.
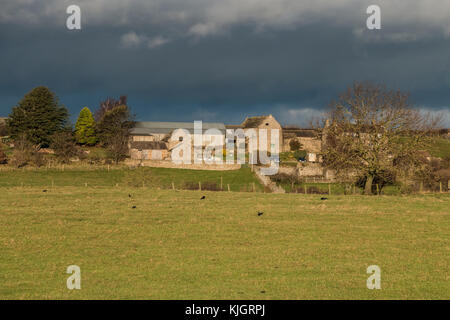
x=220, y=60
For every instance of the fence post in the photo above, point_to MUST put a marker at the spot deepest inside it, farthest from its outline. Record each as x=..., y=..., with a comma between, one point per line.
x=228, y=187
x=306, y=190
x=173, y=186
x=378, y=189
x=440, y=186
x=85, y=184
x=221, y=183
x=199, y=186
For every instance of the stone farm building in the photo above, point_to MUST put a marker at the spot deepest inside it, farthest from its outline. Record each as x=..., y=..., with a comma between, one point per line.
x=151, y=140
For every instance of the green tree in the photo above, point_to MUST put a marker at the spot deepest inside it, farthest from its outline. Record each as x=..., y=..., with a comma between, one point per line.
x=85, y=128
x=38, y=115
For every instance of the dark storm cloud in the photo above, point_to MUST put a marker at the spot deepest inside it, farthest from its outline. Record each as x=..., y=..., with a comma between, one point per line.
x=221, y=61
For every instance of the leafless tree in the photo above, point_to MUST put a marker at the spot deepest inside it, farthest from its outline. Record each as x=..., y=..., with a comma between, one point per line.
x=374, y=132
x=108, y=105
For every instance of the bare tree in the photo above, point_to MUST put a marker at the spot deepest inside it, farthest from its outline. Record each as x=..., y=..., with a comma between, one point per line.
x=114, y=131
x=373, y=132
x=64, y=146
x=108, y=105
x=25, y=152
x=117, y=145
x=3, y=157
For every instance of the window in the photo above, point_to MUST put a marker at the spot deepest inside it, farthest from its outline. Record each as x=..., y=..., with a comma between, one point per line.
x=180, y=139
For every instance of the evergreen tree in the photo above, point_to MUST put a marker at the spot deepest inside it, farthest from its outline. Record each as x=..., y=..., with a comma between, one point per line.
x=38, y=115
x=85, y=128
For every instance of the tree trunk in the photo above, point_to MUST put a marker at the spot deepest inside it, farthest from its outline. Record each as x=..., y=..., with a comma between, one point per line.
x=368, y=186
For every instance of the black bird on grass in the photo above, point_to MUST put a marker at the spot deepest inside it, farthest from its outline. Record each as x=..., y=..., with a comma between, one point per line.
x=260, y=213
x=323, y=198
x=133, y=207
x=203, y=198
x=44, y=190
x=129, y=196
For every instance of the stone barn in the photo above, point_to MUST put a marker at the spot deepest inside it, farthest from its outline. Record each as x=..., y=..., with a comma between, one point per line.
x=149, y=150
x=150, y=140
x=261, y=122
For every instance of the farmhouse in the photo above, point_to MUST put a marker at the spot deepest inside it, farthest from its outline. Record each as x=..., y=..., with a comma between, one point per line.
x=151, y=140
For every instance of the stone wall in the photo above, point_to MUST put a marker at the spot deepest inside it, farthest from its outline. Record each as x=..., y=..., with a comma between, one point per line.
x=171, y=164
x=149, y=154
x=310, y=170
x=313, y=145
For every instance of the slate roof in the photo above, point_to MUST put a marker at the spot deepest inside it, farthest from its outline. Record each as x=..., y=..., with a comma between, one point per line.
x=148, y=145
x=156, y=127
x=253, y=122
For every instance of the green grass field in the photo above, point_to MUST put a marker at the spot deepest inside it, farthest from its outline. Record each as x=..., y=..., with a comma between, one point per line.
x=239, y=180
x=175, y=246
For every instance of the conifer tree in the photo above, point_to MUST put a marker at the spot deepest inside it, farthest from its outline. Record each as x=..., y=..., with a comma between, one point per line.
x=85, y=128
x=38, y=116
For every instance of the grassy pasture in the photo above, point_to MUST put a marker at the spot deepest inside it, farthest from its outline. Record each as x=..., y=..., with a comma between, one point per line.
x=239, y=180
x=175, y=246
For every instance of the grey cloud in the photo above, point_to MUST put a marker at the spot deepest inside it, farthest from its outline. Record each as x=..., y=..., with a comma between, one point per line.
x=222, y=60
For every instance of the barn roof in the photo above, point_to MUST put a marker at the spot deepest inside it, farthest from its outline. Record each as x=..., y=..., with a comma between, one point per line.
x=148, y=145
x=305, y=133
x=253, y=122
x=155, y=127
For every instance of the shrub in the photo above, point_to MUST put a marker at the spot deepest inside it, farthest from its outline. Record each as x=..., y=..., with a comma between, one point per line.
x=3, y=129
x=190, y=185
x=295, y=145
x=26, y=153
x=207, y=185
x=63, y=144
x=300, y=154
x=3, y=158
x=210, y=186
x=284, y=178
